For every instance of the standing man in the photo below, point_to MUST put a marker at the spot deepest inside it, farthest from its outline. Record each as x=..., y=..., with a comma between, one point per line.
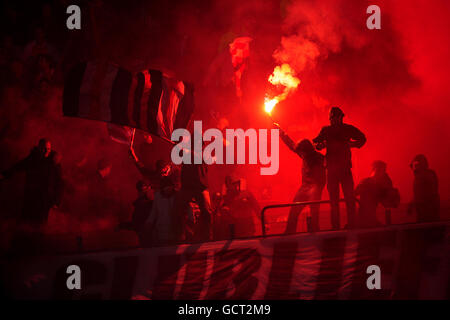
x=313, y=181
x=160, y=225
x=142, y=208
x=43, y=185
x=426, y=201
x=244, y=210
x=338, y=138
x=194, y=186
x=374, y=190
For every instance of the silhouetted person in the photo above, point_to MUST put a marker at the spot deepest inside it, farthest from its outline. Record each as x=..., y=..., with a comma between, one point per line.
x=313, y=182
x=161, y=169
x=372, y=191
x=160, y=225
x=426, y=201
x=243, y=208
x=43, y=185
x=338, y=138
x=194, y=186
x=142, y=208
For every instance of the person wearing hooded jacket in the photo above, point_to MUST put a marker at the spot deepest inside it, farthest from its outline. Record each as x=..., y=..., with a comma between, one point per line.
x=426, y=201
x=313, y=181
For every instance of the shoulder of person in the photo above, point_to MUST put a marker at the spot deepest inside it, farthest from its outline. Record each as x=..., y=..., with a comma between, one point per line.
x=351, y=127
x=34, y=151
x=323, y=132
x=319, y=155
x=431, y=173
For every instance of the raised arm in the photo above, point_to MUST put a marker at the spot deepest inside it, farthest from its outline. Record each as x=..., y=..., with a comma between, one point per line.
x=286, y=139
x=17, y=167
x=320, y=140
x=146, y=172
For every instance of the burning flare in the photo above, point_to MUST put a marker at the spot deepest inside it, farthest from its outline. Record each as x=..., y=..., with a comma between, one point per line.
x=283, y=76
x=269, y=104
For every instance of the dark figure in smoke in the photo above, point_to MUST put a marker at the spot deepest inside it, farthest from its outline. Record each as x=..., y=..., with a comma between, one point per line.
x=142, y=208
x=338, y=138
x=372, y=191
x=160, y=225
x=426, y=200
x=242, y=208
x=313, y=181
x=43, y=186
x=162, y=170
x=194, y=186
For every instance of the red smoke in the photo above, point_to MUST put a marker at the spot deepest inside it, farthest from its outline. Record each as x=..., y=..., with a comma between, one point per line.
x=390, y=82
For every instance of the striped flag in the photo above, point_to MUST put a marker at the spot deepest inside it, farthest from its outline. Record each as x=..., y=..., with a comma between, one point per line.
x=147, y=100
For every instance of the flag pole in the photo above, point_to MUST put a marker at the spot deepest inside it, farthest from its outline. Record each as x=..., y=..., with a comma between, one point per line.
x=132, y=138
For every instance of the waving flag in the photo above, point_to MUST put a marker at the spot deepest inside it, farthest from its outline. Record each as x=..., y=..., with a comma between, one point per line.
x=147, y=100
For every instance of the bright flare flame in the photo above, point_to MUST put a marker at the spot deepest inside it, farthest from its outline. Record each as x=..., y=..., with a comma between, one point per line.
x=282, y=75
x=269, y=104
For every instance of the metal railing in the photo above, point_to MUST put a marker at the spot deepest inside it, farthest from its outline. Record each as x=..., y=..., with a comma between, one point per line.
x=292, y=204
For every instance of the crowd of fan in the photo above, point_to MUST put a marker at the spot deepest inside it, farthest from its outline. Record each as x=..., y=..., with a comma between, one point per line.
x=173, y=204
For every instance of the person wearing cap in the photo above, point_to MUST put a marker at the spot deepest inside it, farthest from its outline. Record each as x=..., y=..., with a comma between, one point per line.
x=313, y=181
x=426, y=200
x=338, y=138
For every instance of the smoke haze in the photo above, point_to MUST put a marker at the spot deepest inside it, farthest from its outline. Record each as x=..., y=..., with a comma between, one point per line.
x=391, y=83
